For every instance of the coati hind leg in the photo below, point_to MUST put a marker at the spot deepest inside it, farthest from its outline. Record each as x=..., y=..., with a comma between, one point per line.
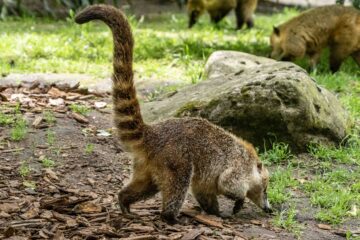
x=338, y=53
x=244, y=13
x=174, y=186
x=208, y=201
x=141, y=187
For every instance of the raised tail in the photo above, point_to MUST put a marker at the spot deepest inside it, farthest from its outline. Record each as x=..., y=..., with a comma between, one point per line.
x=128, y=119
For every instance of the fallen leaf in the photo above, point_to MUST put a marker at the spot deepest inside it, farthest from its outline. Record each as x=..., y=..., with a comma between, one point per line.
x=88, y=207
x=9, y=207
x=4, y=214
x=51, y=174
x=142, y=237
x=37, y=121
x=31, y=213
x=256, y=222
x=139, y=228
x=324, y=226
x=3, y=98
x=56, y=93
x=79, y=118
x=192, y=234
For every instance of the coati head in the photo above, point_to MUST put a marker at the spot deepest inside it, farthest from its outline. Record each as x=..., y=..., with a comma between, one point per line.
x=286, y=45
x=257, y=191
x=195, y=9
x=275, y=42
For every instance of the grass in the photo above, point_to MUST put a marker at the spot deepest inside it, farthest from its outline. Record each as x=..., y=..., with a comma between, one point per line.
x=49, y=117
x=50, y=137
x=47, y=163
x=166, y=49
x=89, y=148
x=286, y=219
x=24, y=169
x=81, y=109
x=19, y=130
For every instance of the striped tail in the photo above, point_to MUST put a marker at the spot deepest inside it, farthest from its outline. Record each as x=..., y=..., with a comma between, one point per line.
x=128, y=119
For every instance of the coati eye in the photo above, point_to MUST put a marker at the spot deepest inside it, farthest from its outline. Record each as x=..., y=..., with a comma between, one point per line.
x=259, y=166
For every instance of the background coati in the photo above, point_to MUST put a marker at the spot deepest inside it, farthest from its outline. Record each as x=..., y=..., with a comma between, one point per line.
x=172, y=155
x=218, y=9
x=309, y=33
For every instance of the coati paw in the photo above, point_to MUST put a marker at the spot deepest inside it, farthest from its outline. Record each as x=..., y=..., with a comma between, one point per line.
x=169, y=218
x=238, y=206
x=125, y=208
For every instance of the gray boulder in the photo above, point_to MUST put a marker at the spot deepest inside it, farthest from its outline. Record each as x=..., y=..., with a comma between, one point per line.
x=259, y=99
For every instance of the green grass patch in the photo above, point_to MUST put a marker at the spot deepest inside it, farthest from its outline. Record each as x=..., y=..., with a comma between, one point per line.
x=81, y=109
x=335, y=193
x=19, y=130
x=281, y=182
x=47, y=163
x=279, y=153
x=286, y=220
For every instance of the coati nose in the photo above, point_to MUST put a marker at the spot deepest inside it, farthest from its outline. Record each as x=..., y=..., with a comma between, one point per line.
x=267, y=207
x=267, y=210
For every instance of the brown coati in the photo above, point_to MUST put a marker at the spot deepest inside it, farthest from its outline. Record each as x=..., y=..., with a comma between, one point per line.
x=172, y=155
x=218, y=9
x=336, y=27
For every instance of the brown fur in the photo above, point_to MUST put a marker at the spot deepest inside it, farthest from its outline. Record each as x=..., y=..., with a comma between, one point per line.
x=172, y=155
x=218, y=9
x=335, y=26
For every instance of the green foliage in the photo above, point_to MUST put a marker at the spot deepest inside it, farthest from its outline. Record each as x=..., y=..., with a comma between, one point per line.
x=24, y=169
x=20, y=8
x=47, y=163
x=81, y=109
x=280, y=183
x=279, y=153
x=89, y=148
x=6, y=119
x=50, y=137
x=287, y=219
x=19, y=130
x=335, y=192
x=49, y=117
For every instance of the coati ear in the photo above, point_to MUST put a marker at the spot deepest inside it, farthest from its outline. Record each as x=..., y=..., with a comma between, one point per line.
x=276, y=30
x=259, y=166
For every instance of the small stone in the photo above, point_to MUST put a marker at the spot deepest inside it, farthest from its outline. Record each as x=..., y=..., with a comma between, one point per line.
x=100, y=105
x=56, y=102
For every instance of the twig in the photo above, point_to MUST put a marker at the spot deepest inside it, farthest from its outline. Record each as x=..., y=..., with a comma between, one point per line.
x=12, y=150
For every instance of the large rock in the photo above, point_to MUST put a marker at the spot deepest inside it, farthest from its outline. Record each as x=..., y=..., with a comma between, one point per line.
x=260, y=100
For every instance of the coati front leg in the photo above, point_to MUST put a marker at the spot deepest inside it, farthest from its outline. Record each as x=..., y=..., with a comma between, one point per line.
x=141, y=187
x=208, y=202
x=243, y=12
x=234, y=190
x=174, y=185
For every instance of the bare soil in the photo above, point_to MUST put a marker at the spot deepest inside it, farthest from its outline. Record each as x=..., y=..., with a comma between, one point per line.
x=77, y=197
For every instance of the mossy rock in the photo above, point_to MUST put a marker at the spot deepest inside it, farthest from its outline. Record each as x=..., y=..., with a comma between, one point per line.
x=262, y=102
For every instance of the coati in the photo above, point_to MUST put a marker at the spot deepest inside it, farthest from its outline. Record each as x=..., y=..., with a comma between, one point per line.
x=172, y=155
x=335, y=26
x=218, y=9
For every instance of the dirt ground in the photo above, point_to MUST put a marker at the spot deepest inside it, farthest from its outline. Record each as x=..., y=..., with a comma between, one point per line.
x=76, y=198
